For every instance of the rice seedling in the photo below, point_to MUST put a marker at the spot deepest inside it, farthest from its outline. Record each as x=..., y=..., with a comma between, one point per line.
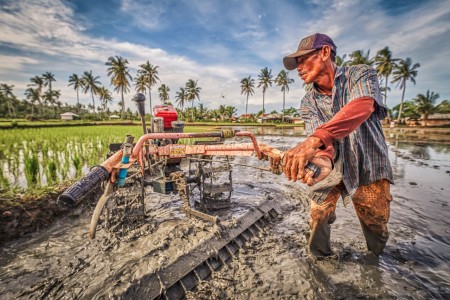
x=31, y=169
x=51, y=173
x=4, y=183
x=77, y=164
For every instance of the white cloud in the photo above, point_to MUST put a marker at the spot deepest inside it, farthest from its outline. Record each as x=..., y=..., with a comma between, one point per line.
x=145, y=14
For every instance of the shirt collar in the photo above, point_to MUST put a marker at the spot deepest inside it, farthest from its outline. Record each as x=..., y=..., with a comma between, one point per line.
x=339, y=71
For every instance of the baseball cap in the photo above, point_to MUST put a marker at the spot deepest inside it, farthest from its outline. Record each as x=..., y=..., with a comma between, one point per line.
x=308, y=45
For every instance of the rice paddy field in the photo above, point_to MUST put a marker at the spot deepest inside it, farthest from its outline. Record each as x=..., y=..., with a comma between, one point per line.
x=41, y=157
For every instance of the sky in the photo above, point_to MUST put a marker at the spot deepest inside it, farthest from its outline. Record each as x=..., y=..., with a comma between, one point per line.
x=216, y=42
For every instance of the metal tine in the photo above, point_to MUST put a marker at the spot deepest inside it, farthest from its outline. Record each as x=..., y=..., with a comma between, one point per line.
x=189, y=282
x=175, y=292
x=203, y=271
x=214, y=263
x=224, y=255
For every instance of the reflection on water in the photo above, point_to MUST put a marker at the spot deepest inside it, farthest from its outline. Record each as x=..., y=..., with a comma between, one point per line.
x=271, y=130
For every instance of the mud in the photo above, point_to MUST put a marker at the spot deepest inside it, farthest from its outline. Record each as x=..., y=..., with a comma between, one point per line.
x=23, y=217
x=62, y=263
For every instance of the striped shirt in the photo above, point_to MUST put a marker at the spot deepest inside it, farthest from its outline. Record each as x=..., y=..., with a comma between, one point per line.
x=363, y=153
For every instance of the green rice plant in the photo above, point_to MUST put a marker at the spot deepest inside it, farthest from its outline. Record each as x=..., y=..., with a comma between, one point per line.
x=45, y=150
x=31, y=164
x=78, y=166
x=4, y=182
x=51, y=172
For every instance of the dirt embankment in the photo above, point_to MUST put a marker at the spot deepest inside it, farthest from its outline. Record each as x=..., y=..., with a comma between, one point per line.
x=24, y=215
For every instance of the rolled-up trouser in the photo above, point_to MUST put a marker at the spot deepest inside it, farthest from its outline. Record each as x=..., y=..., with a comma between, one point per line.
x=372, y=205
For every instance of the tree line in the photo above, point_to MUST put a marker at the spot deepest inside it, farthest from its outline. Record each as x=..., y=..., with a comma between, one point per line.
x=41, y=102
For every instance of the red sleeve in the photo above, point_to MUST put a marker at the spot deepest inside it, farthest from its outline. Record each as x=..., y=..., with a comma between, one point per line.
x=344, y=122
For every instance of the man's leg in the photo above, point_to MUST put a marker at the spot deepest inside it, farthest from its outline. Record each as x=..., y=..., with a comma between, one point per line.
x=372, y=205
x=322, y=215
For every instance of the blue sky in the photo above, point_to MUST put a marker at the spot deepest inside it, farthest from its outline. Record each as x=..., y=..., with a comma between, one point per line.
x=215, y=42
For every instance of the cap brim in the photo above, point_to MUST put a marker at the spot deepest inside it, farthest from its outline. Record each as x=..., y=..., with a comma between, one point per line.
x=290, y=61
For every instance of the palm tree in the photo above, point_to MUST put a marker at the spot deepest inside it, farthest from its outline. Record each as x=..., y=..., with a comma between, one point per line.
x=222, y=112
x=340, y=61
x=139, y=83
x=265, y=80
x=77, y=83
x=164, y=93
x=283, y=81
x=384, y=65
x=90, y=84
x=409, y=110
x=38, y=82
x=230, y=111
x=181, y=98
x=425, y=104
x=192, y=92
x=7, y=91
x=150, y=76
x=105, y=97
x=33, y=96
x=247, y=88
x=48, y=78
x=359, y=58
x=51, y=97
x=120, y=77
x=202, y=111
x=403, y=72
x=443, y=107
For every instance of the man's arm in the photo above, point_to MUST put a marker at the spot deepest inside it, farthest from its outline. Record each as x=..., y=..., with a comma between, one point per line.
x=320, y=143
x=350, y=117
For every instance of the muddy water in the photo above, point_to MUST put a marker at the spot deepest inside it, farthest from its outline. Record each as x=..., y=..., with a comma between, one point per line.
x=62, y=263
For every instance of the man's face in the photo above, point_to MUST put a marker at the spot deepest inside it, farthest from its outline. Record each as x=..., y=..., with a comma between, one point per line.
x=309, y=66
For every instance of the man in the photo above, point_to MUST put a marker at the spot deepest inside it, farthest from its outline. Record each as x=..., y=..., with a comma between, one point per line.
x=342, y=110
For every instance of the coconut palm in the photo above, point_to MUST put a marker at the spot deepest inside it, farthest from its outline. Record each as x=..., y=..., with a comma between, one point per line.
x=140, y=84
x=247, y=89
x=202, y=111
x=48, y=79
x=384, y=65
x=105, y=97
x=164, y=93
x=265, y=80
x=51, y=98
x=150, y=76
x=7, y=91
x=192, y=92
x=91, y=84
x=283, y=81
x=409, y=110
x=403, y=72
x=425, y=104
x=180, y=98
x=33, y=96
x=38, y=82
x=230, y=111
x=443, y=107
x=222, y=112
x=340, y=61
x=120, y=77
x=77, y=83
x=359, y=58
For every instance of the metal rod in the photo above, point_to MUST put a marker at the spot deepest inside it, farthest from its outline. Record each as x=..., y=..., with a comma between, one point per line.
x=231, y=163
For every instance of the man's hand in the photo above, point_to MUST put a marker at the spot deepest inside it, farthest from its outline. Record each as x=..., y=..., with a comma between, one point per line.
x=295, y=159
x=325, y=165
